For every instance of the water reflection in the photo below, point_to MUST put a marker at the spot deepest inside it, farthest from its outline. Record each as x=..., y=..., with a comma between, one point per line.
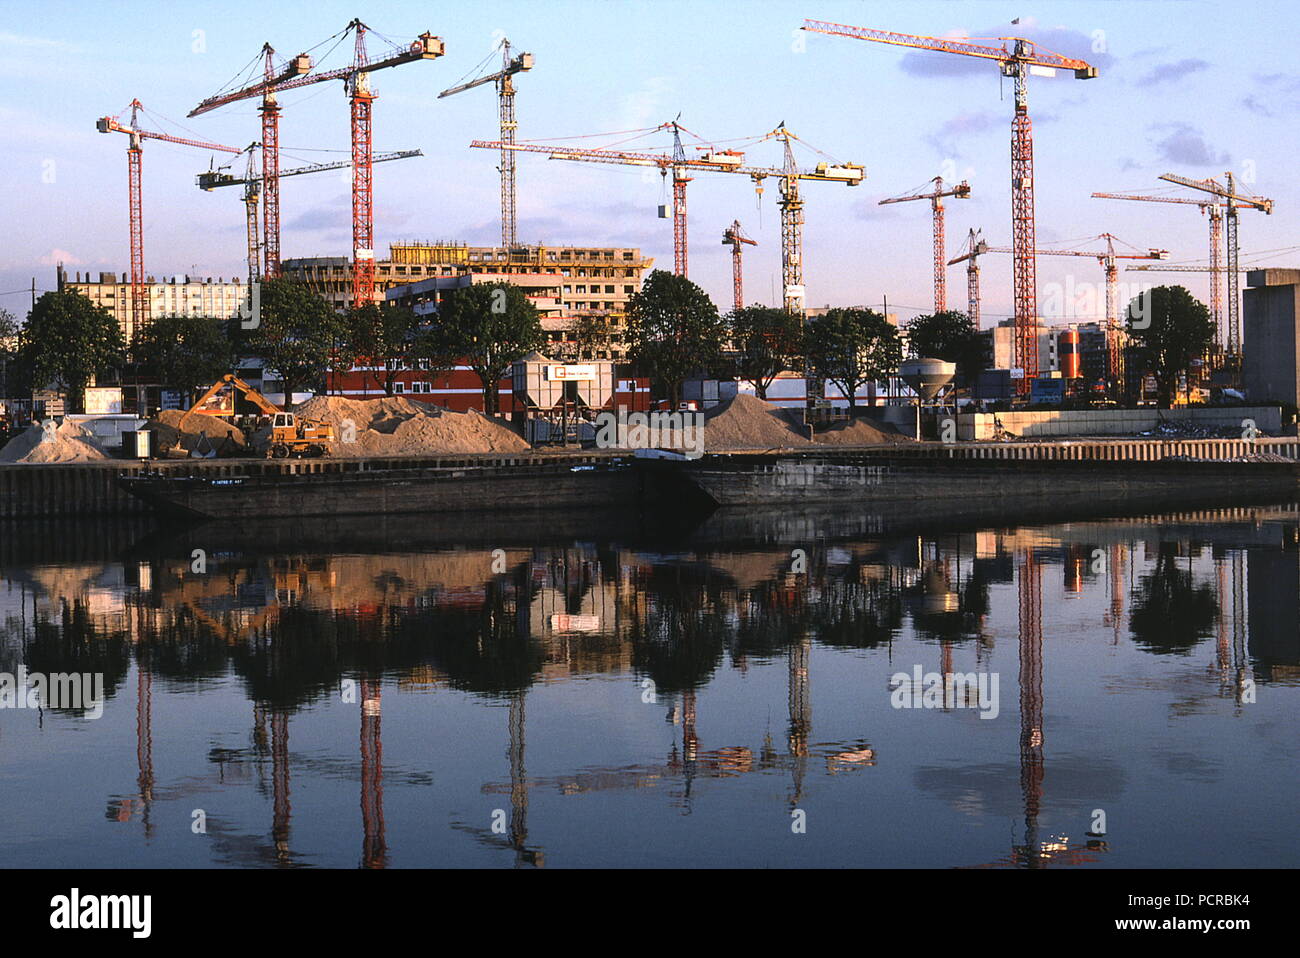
x=686, y=616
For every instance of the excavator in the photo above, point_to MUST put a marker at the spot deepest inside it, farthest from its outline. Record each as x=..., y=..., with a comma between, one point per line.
x=291, y=435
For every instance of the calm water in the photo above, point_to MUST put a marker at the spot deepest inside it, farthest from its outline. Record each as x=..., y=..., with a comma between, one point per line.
x=654, y=693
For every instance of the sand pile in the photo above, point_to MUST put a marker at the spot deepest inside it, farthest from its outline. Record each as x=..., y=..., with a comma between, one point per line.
x=395, y=426
x=861, y=432
x=67, y=443
x=168, y=435
x=748, y=422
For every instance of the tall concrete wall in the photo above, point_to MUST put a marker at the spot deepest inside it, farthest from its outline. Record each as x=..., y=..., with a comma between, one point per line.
x=1112, y=422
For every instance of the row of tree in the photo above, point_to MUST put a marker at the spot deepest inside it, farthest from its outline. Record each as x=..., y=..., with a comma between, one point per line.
x=674, y=331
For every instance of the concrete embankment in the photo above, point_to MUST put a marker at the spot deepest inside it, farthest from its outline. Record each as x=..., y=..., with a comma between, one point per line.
x=92, y=489
x=532, y=480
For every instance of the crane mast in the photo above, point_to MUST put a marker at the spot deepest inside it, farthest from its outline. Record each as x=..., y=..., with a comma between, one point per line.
x=356, y=79
x=935, y=196
x=1016, y=63
x=505, y=85
x=715, y=161
x=735, y=237
x=1235, y=200
x=134, y=167
x=1107, y=258
x=253, y=183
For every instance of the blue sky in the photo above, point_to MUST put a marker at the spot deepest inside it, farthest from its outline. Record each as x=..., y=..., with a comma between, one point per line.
x=1195, y=88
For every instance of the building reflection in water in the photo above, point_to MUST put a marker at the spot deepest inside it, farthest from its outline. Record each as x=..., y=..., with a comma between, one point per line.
x=293, y=627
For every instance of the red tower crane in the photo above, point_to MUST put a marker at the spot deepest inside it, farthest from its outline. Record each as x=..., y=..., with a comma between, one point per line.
x=935, y=196
x=113, y=124
x=356, y=79
x=735, y=237
x=1017, y=62
x=270, y=187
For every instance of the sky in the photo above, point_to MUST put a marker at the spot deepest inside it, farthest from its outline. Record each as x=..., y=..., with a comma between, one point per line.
x=1194, y=88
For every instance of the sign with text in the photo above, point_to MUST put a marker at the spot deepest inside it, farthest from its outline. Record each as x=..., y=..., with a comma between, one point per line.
x=571, y=373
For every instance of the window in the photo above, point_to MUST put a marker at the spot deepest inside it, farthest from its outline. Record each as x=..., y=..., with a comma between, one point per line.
x=399, y=388
x=609, y=289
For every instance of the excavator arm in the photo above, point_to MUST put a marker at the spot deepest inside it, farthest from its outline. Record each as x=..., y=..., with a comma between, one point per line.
x=253, y=396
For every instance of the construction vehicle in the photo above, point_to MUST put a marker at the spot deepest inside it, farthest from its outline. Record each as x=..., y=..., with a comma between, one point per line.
x=291, y=434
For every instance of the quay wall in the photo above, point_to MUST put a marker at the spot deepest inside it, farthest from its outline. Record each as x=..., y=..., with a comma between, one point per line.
x=90, y=489
x=1112, y=422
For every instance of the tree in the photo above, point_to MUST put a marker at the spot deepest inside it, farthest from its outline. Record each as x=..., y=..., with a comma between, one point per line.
x=489, y=326
x=949, y=335
x=8, y=348
x=384, y=335
x=66, y=341
x=673, y=330
x=852, y=347
x=589, y=335
x=184, y=352
x=768, y=341
x=8, y=334
x=1169, y=328
x=297, y=334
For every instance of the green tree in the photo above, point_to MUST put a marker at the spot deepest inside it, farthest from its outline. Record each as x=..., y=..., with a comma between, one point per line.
x=488, y=326
x=673, y=330
x=297, y=334
x=852, y=347
x=1169, y=328
x=589, y=335
x=184, y=352
x=768, y=341
x=385, y=337
x=8, y=349
x=66, y=341
x=949, y=335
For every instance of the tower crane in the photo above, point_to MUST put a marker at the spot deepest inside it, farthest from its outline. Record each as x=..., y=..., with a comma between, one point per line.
x=1017, y=61
x=356, y=80
x=1215, y=213
x=735, y=237
x=717, y=161
x=1235, y=201
x=270, y=110
x=114, y=124
x=935, y=196
x=253, y=183
x=1107, y=258
x=506, y=97
x=975, y=247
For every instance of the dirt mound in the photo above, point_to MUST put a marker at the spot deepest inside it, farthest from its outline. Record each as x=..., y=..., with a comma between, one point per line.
x=395, y=426
x=747, y=422
x=168, y=434
x=66, y=443
x=860, y=432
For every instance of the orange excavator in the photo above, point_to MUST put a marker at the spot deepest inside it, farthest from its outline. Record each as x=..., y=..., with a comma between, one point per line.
x=291, y=435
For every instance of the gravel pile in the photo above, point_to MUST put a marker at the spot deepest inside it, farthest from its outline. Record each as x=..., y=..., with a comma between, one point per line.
x=67, y=443
x=395, y=426
x=747, y=422
x=860, y=432
x=168, y=434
